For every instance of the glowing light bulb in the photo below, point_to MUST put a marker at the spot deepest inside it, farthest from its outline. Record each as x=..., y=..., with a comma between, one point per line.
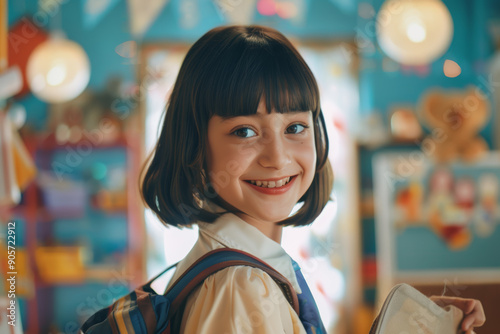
x=56, y=75
x=58, y=70
x=416, y=32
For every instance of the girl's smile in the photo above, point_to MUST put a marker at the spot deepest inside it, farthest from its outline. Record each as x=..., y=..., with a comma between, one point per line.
x=275, y=186
x=262, y=164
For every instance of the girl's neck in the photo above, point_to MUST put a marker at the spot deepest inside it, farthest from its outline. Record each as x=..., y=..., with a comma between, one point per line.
x=269, y=229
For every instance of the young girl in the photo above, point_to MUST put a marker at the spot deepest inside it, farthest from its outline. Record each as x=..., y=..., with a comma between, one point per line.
x=244, y=141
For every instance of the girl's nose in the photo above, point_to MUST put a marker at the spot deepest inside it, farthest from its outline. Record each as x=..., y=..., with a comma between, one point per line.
x=274, y=153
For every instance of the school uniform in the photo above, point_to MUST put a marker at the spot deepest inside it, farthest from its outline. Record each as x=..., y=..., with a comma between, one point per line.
x=240, y=299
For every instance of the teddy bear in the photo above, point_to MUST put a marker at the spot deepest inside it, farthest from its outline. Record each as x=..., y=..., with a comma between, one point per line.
x=455, y=118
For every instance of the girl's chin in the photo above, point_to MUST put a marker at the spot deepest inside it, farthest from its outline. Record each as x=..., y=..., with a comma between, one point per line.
x=269, y=217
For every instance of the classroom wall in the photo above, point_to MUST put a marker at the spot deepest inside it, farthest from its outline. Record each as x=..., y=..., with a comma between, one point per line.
x=472, y=45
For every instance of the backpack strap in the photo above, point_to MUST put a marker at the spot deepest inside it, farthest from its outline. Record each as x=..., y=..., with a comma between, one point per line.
x=219, y=259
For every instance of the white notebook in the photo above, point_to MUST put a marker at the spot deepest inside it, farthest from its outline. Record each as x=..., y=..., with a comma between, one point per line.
x=407, y=311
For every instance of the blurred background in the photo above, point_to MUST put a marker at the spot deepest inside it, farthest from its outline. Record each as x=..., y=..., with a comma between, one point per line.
x=410, y=93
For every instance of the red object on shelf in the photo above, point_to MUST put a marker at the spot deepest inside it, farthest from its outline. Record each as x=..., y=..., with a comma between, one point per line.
x=369, y=270
x=23, y=38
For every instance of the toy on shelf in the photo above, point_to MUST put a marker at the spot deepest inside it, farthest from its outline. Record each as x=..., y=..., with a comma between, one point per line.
x=448, y=208
x=404, y=125
x=63, y=197
x=61, y=264
x=455, y=118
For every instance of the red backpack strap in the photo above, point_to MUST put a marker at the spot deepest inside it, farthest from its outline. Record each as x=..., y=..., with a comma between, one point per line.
x=219, y=259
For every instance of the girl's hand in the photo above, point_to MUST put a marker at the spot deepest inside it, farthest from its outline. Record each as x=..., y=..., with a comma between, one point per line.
x=472, y=309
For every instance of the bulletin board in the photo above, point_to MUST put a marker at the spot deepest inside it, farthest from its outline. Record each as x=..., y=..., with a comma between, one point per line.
x=436, y=223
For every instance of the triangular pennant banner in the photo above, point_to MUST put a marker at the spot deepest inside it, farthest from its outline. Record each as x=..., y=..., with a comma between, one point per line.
x=95, y=10
x=237, y=12
x=143, y=13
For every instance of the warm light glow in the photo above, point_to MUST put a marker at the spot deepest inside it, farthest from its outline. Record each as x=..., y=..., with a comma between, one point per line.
x=451, y=69
x=286, y=10
x=414, y=32
x=58, y=70
x=56, y=75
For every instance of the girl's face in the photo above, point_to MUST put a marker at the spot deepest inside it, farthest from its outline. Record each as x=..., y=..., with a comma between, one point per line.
x=262, y=164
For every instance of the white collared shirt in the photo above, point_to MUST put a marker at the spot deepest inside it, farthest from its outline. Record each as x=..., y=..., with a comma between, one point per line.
x=239, y=299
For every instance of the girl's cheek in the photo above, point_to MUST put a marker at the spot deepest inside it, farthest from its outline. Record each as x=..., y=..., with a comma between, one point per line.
x=246, y=150
x=308, y=154
x=235, y=167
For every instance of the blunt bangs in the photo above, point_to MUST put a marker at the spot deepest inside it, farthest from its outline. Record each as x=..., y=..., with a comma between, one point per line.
x=252, y=66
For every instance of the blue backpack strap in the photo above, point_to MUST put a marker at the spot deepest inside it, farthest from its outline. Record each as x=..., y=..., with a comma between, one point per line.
x=146, y=312
x=219, y=259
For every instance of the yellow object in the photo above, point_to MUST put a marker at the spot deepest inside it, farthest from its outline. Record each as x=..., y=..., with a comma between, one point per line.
x=60, y=264
x=3, y=35
x=460, y=240
x=20, y=266
x=112, y=200
x=23, y=164
x=363, y=319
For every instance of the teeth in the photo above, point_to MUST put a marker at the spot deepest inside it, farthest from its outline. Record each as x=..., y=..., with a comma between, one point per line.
x=271, y=184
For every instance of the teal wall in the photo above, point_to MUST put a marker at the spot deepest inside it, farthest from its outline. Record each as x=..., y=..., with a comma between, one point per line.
x=472, y=45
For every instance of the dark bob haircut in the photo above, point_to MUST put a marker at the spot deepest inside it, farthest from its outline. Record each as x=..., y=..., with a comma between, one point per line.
x=226, y=73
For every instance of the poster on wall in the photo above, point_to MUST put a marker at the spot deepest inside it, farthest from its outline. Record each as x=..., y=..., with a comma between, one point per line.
x=437, y=223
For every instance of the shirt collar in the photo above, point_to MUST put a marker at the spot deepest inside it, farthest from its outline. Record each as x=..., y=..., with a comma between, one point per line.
x=233, y=232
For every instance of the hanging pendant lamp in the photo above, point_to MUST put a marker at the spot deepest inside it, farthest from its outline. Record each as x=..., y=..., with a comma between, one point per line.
x=58, y=70
x=414, y=32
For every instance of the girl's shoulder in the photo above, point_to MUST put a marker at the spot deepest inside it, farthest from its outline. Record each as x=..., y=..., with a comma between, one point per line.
x=239, y=296
x=244, y=278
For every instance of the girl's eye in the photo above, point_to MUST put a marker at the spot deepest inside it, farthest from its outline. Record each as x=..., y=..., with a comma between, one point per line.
x=244, y=132
x=296, y=128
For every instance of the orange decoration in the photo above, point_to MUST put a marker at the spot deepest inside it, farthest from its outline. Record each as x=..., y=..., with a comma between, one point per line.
x=451, y=69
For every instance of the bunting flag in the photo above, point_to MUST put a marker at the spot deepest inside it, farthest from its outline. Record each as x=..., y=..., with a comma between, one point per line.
x=143, y=13
x=95, y=10
x=237, y=12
